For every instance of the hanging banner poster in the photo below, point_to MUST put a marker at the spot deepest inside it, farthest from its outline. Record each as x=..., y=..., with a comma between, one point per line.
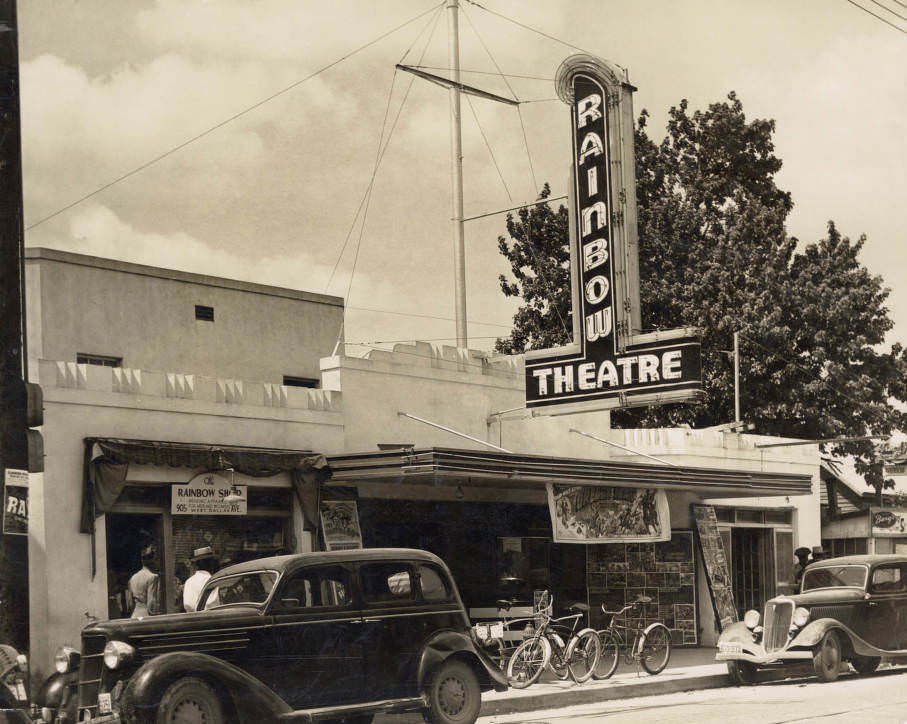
x=607, y=514
x=716, y=567
x=15, y=502
x=340, y=524
x=211, y=493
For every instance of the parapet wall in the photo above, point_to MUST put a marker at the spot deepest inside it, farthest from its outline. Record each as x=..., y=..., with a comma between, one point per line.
x=175, y=385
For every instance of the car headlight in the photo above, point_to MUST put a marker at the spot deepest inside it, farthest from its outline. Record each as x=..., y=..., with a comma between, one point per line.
x=751, y=618
x=116, y=652
x=801, y=617
x=22, y=662
x=66, y=659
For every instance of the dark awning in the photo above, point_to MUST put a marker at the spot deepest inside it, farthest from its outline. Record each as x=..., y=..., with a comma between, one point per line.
x=107, y=461
x=444, y=465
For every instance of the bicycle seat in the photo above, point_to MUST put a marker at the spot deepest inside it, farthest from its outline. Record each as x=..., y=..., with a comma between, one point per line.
x=579, y=606
x=643, y=599
x=503, y=605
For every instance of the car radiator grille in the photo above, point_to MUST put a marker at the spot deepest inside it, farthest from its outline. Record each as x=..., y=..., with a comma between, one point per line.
x=777, y=624
x=91, y=667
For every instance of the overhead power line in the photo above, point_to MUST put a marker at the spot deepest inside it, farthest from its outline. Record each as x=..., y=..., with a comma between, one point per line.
x=232, y=118
x=527, y=27
x=888, y=9
x=878, y=17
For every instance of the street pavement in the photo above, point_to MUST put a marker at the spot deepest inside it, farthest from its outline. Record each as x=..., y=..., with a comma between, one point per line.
x=877, y=699
x=695, y=688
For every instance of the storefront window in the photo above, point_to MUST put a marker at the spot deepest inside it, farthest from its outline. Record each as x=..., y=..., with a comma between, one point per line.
x=523, y=566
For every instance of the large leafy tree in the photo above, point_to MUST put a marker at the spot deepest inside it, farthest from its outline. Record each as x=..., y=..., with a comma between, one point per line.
x=714, y=254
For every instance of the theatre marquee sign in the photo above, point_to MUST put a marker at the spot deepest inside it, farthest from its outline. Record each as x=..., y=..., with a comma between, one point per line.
x=610, y=362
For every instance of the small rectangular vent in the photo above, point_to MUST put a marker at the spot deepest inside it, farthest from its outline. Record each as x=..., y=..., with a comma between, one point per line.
x=300, y=382
x=206, y=314
x=98, y=359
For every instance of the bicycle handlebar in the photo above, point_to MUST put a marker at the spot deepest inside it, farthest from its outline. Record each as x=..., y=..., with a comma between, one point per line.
x=639, y=601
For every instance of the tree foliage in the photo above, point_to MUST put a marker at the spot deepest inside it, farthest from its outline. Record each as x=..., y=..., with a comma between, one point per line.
x=714, y=254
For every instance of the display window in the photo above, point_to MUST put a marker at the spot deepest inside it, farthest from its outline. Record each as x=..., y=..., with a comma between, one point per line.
x=150, y=550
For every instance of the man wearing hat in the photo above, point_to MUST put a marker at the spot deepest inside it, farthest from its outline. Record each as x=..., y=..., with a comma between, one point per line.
x=802, y=554
x=205, y=563
x=819, y=554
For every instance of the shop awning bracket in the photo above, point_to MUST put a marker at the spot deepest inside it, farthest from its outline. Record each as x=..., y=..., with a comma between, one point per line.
x=623, y=447
x=452, y=431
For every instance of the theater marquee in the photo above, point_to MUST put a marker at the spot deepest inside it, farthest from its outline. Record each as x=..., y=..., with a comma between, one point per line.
x=610, y=363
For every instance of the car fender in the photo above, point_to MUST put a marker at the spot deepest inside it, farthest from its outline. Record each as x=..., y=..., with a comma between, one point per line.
x=737, y=632
x=812, y=633
x=445, y=644
x=255, y=702
x=55, y=688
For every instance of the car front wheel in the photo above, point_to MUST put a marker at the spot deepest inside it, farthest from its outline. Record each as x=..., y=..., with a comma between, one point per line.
x=190, y=701
x=454, y=696
x=827, y=657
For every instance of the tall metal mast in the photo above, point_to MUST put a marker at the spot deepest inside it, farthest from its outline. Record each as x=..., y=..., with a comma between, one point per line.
x=456, y=153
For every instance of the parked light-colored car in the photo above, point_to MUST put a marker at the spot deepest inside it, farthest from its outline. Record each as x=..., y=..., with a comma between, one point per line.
x=851, y=609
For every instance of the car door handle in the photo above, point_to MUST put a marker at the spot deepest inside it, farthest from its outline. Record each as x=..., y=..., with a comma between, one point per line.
x=873, y=603
x=372, y=620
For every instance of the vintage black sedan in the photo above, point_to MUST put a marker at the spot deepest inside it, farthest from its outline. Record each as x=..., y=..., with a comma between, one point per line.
x=850, y=609
x=315, y=636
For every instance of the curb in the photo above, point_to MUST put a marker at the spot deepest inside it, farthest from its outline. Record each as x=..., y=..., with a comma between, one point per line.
x=555, y=699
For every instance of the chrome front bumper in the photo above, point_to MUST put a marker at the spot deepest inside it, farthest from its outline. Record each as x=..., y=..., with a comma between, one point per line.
x=754, y=653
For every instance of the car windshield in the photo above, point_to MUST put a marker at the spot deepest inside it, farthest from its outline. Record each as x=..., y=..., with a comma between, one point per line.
x=253, y=587
x=834, y=577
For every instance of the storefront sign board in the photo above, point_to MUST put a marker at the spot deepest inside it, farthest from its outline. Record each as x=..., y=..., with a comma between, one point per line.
x=609, y=363
x=15, y=502
x=210, y=493
x=340, y=524
x=716, y=566
x=889, y=523
x=608, y=514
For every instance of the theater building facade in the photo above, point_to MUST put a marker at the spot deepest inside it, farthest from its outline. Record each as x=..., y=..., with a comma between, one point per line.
x=243, y=388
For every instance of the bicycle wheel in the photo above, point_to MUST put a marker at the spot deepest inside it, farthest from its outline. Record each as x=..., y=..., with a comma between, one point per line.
x=528, y=661
x=558, y=661
x=655, y=649
x=608, y=656
x=582, y=656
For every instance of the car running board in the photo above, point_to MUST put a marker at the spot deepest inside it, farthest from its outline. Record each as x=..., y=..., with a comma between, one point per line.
x=372, y=707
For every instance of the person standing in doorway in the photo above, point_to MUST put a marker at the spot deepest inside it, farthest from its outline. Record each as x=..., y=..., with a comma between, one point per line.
x=145, y=585
x=205, y=563
x=802, y=554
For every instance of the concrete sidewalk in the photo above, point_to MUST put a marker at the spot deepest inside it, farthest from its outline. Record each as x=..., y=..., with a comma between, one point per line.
x=688, y=669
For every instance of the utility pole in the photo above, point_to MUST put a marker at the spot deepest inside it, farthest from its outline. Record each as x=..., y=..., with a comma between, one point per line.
x=13, y=417
x=736, y=377
x=456, y=154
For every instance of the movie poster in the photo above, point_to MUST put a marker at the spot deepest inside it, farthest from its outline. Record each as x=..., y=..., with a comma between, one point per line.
x=340, y=523
x=607, y=514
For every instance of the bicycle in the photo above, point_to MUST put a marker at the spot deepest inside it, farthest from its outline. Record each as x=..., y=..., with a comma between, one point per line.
x=576, y=658
x=651, y=646
x=494, y=636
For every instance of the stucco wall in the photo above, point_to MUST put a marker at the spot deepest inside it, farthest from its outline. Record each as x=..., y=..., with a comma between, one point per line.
x=83, y=304
x=88, y=401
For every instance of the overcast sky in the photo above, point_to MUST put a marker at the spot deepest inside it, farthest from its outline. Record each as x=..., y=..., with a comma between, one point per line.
x=270, y=197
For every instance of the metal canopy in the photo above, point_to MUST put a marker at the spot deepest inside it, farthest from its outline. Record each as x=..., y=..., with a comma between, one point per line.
x=445, y=466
